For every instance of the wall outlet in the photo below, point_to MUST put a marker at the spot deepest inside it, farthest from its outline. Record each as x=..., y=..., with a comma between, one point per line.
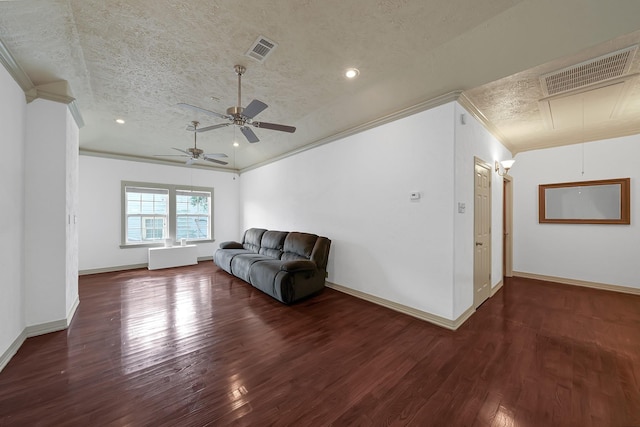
x=461, y=207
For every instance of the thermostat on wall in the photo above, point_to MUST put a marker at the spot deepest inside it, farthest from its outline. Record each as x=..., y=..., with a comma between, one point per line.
x=415, y=195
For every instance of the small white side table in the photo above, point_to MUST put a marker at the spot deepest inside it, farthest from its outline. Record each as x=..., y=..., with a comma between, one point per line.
x=174, y=256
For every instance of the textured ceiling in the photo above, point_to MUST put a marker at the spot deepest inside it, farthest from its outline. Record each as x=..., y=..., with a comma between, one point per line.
x=138, y=59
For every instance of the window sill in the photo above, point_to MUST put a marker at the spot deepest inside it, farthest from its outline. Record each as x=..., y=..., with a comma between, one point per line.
x=161, y=245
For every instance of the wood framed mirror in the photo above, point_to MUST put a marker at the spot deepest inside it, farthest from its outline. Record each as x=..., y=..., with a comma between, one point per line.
x=604, y=201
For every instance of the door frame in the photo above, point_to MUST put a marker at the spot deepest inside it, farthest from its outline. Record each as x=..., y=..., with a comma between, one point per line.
x=507, y=226
x=481, y=163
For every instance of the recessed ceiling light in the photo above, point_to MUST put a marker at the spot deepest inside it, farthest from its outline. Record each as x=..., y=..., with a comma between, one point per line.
x=120, y=121
x=352, y=73
x=235, y=144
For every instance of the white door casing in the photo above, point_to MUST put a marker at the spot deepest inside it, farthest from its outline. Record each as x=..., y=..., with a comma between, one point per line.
x=482, y=233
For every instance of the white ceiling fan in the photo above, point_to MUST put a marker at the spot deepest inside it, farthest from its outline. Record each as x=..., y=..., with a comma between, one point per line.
x=241, y=117
x=194, y=153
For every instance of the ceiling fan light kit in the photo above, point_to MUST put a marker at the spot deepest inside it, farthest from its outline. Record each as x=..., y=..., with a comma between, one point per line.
x=239, y=116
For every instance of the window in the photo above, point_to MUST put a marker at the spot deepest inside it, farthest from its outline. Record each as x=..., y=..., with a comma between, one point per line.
x=152, y=213
x=146, y=211
x=192, y=215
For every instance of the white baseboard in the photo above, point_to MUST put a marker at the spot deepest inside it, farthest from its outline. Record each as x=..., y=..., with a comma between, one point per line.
x=46, y=328
x=72, y=310
x=126, y=267
x=111, y=269
x=497, y=287
x=12, y=350
x=35, y=330
x=413, y=312
x=575, y=282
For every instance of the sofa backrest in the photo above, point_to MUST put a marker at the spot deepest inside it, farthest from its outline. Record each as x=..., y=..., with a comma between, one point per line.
x=272, y=243
x=252, y=239
x=300, y=246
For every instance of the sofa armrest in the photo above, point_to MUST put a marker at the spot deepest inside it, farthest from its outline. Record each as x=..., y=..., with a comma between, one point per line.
x=299, y=265
x=231, y=245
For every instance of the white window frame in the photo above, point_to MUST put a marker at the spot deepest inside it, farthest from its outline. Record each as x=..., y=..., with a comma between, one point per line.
x=172, y=216
x=195, y=193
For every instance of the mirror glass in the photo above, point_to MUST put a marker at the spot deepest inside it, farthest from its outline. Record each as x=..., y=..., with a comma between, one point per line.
x=587, y=202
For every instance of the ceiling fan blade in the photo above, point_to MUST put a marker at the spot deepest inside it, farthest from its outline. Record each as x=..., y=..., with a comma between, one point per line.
x=220, y=162
x=182, y=151
x=274, y=126
x=212, y=127
x=216, y=155
x=254, y=108
x=202, y=110
x=170, y=155
x=248, y=133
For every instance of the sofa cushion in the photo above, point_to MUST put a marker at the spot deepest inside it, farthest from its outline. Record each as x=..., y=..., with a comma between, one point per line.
x=252, y=239
x=298, y=246
x=223, y=257
x=263, y=277
x=241, y=264
x=273, y=243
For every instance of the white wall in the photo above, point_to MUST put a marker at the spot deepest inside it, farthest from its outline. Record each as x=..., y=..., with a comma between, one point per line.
x=12, y=143
x=356, y=192
x=473, y=140
x=52, y=143
x=72, y=202
x=100, y=215
x=606, y=254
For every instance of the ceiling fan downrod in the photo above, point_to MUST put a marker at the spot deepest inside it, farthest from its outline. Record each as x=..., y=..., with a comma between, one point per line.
x=195, y=151
x=236, y=111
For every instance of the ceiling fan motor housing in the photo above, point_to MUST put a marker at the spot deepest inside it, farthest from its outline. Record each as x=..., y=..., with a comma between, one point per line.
x=195, y=151
x=235, y=111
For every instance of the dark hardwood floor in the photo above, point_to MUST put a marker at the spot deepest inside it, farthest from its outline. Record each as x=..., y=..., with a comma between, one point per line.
x=193, y=346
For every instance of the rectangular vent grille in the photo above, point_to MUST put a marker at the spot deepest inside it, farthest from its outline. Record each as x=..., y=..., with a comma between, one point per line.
x=261, y=48
x=586, y=73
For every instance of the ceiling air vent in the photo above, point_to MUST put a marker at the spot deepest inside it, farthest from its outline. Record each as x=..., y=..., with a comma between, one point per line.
x=261, y=48
x=586, y=73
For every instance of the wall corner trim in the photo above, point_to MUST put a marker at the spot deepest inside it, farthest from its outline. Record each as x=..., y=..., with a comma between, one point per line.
x=410, y=311
x=575, y=282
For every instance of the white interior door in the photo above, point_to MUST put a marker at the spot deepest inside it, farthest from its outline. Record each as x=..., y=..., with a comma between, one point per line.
x=482, y=233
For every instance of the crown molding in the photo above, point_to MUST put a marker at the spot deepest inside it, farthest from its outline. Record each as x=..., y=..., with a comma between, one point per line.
x=63, y=99
x=15, y=70
x=32, y=92
x=406, y=112
x=141, y=159
x=472, y=109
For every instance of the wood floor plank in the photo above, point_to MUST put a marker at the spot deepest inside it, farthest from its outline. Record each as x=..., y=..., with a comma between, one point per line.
x=193, y=346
